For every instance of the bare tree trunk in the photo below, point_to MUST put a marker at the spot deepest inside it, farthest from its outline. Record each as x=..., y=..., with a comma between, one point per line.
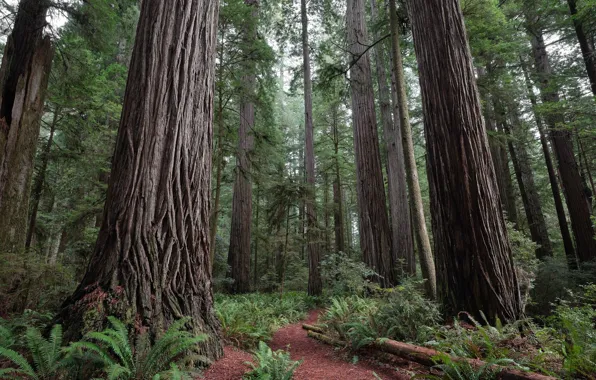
x=474, y=260
x=23, y=80
x=338, y=202
x=37, y=189
x=582, y=156
x=315, y=284
x=427, y=263
x=256, y=263
x=239, y=250
x=588, y=53
x=375, y=235
x=577, y=202
x=326, y=215
x=525, y=178
x=397, y=187
x=554, y=183
x=151, y=259
x=220, y=164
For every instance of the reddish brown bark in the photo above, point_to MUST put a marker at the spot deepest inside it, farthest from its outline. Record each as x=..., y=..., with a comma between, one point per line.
x=375, y=234
x=475, y=269
x=315, y=284
x=151, y=259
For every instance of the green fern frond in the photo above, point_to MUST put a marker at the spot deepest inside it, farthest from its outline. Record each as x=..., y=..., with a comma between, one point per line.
x=23, y=365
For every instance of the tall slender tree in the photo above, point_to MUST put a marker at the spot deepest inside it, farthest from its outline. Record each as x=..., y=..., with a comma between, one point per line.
x=577, y=201
x=151, y=259
x=375, y=234
x=24, y=77
x=427, y=263
x=239, y=250
x=473, y=255
x=586, y=48
x=397, y=187
x=315, y=284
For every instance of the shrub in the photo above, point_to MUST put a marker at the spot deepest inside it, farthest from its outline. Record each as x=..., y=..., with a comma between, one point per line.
x=271, y=365
x=345, y=276
x=247, y=319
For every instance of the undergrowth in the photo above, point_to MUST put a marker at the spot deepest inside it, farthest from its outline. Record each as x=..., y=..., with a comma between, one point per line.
x=250, y=318
x=271, y=365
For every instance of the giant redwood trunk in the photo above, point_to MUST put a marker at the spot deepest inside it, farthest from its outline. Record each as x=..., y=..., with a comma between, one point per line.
x=315, y=284
x=577, y=201
x=375, y=234
x=427, y=263
x=338, y=203
x=23, y=81
x=475, y=269
x=151, y=260
x=397, y=187
x=239, y=250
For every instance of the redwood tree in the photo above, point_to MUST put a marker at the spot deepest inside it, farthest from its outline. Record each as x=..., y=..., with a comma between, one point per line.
x=239, y=250
x=151, y=259
x=315, y=284
x=475, y=269
x=24, y=77
x=375, y=235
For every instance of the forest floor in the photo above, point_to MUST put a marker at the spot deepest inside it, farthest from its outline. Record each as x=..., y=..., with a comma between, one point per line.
x=319, y=361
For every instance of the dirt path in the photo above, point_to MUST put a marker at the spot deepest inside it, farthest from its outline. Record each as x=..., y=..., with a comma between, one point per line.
x=320, y=361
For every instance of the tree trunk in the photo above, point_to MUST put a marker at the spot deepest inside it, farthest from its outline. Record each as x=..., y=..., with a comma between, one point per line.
x=338, y=202
x=315, y=284
x=37, y=189
x=23, y=79
x=525, y=178
x=473, y=255
x=425, y=254
x=239, y=250
x=151, y=259
x=220, y=164
x=375, y=235
x=588, y=53
x=256, y=262
x=397, y=187
x=577, y=202
x=554, y=183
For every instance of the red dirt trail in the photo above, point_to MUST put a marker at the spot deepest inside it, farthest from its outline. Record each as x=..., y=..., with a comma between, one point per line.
x=319, y=361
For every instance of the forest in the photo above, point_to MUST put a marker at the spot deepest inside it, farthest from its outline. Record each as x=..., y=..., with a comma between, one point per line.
x=297, y=189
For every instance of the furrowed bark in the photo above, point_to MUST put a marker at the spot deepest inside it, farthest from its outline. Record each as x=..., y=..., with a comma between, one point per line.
x=150, y=266
x=475, y=269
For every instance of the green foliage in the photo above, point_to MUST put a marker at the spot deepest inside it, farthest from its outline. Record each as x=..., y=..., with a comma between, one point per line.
x=576, y=323
x=271, y=365
x=48, y=358
x=28, y=281
x=250, y=318
x=123, y=360
x=462, y=370
x=350, y=314
x=343, y=275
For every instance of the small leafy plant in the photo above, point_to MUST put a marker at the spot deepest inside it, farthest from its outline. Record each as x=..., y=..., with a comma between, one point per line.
x=271, y=365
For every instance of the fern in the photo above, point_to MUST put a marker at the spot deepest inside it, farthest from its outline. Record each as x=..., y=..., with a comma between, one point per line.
x=24, y=369
x=271, y=365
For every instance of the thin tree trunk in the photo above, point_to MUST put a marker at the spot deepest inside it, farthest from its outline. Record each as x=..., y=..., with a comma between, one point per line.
x=397, y=186
x=151, y=259
x=588, y=54
x=239, y=250
x=338, y=203
x=554, y=183
x=474, y=260
x=256, y=263
x=582, y=156
x=40, y=180
x=427, y=263
x=315, y=284
x=23, y=81
x=525, y=179
x=577, y=202
x=326, y=215
x=375, y=234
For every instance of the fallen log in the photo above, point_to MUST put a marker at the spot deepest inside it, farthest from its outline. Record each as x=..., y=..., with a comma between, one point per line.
x=425, y=356
x=316, y=329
